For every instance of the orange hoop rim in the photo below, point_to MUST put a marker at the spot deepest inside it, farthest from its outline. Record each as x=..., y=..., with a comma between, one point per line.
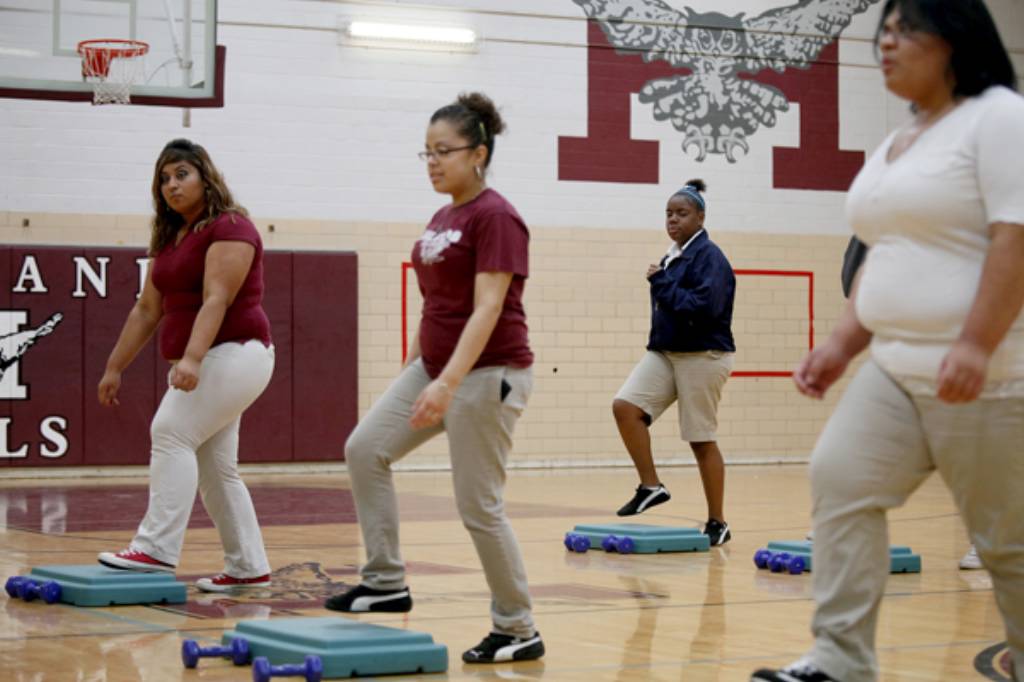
x=115, y=48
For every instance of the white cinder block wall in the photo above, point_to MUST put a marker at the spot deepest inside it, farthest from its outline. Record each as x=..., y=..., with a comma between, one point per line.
x=318, y=139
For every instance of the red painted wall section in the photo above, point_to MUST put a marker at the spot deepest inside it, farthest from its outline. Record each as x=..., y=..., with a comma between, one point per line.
x=818, y=163
x=49, y=414
x=609, y=154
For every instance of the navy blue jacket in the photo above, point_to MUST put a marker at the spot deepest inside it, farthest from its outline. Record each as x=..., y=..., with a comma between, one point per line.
x=691, y=301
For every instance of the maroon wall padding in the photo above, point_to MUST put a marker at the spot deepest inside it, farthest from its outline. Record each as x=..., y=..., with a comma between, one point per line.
x=267, y=424
x=118, y=435
x=324, y=309
x=52, y=369
x=5, y=304
x=311, y=302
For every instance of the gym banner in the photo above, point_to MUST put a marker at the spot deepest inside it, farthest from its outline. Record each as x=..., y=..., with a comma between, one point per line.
x=62, y=308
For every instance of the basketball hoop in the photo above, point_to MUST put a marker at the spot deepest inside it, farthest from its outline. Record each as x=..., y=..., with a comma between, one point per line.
x=112, y=66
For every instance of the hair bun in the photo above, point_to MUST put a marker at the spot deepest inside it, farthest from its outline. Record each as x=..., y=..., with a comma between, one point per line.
x=482, y=105
x=697, y=184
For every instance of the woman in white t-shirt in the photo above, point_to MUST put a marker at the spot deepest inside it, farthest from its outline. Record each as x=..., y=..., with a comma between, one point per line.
x=939, y=298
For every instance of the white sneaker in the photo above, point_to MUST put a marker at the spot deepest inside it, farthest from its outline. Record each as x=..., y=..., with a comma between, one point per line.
x=971, y=560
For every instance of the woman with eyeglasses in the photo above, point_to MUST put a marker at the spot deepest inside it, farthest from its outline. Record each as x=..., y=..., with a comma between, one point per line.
x=204, y=290
x=468, y=374
x=938, y=301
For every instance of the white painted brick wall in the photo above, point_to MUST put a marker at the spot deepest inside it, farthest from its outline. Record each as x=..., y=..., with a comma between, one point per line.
x=314, y=129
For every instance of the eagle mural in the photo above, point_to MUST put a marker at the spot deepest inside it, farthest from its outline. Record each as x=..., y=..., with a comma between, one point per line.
x=713, y=107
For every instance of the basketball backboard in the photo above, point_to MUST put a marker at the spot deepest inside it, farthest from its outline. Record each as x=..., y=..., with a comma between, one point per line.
x=39, y=40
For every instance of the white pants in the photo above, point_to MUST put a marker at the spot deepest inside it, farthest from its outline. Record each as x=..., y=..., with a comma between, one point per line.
x=879, y=446
x=195, y=444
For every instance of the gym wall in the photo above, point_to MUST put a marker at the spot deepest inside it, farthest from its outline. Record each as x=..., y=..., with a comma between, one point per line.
x=318, y=137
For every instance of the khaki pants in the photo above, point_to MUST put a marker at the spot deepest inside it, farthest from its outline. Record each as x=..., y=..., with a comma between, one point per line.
x=693, y=381
x=195, y=444
x=878, y=447
x=479, y=424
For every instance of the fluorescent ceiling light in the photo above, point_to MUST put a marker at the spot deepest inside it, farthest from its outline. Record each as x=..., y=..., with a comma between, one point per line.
x=439, y=35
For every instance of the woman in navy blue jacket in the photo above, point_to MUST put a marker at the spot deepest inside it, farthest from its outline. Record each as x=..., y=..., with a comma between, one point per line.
x=689, y=357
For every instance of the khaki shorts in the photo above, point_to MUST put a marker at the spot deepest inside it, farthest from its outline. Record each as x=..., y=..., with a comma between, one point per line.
x=693, y=380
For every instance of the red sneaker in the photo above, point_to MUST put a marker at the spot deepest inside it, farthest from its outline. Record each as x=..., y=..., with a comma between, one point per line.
x=134, y=560
x=222, y=582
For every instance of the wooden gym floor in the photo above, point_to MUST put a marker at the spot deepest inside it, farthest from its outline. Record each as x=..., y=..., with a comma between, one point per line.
x=693, y=617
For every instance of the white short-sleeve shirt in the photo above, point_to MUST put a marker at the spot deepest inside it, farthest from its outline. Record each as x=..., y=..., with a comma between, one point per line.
x=926, y=217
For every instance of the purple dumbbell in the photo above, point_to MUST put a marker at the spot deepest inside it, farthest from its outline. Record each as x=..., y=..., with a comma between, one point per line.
x=29, y=589
x=312, y=670
x=623, y=545
x=779, y=562
x=11, y=586
x=575, y=542
x=762, y=557
x=797, y=565
x=238, y=651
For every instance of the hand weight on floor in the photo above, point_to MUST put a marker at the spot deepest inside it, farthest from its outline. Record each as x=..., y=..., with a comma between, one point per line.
x=312, y=670
x=238, y=651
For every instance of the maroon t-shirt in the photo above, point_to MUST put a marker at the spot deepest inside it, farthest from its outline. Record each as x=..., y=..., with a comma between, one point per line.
x=484, y=235
x=178, y=276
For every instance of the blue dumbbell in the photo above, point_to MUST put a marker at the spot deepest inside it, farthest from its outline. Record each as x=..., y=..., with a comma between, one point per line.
x=779, y=562
x=575, y=542
x=49, y=591
x=312, y=670
x=762, y=557
x=11, y=586
x=797, y=565
x=238, y=651
x=623, y=545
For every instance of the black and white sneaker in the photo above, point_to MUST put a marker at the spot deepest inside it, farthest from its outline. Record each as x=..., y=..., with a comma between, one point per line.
x=717, y=532
x=497, y=648
x=644, y=499
x=361, y=599
x=801, y=671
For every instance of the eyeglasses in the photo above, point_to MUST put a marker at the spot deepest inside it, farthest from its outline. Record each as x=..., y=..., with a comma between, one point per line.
x=901, y=31
x=442, y=153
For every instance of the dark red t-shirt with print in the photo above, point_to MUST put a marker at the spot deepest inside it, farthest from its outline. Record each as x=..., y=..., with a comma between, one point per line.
x=483, y=235
x=178, y=275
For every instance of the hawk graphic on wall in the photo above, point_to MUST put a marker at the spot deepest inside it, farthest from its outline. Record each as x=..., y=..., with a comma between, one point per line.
x=13, y=346
x=713, y=106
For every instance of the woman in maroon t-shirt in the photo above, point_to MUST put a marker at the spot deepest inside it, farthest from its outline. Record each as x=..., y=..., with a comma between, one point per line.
x=204, y=289
x=468, y=375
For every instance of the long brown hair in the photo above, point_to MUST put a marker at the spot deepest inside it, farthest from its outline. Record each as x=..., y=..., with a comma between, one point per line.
x=166, y=221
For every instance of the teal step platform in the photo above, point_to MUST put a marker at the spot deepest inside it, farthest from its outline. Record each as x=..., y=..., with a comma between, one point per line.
x=93, y=585
x=646, y=539
x=901, y=559
x=347, y=648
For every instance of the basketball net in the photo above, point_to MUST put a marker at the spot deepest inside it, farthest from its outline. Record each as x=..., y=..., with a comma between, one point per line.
x=112, y=67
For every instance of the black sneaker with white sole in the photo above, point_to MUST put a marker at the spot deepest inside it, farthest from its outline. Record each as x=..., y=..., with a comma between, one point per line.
x=644, y=499
x=362, y=599
x=717, y=532
x=497, y=648
x=801, y=671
